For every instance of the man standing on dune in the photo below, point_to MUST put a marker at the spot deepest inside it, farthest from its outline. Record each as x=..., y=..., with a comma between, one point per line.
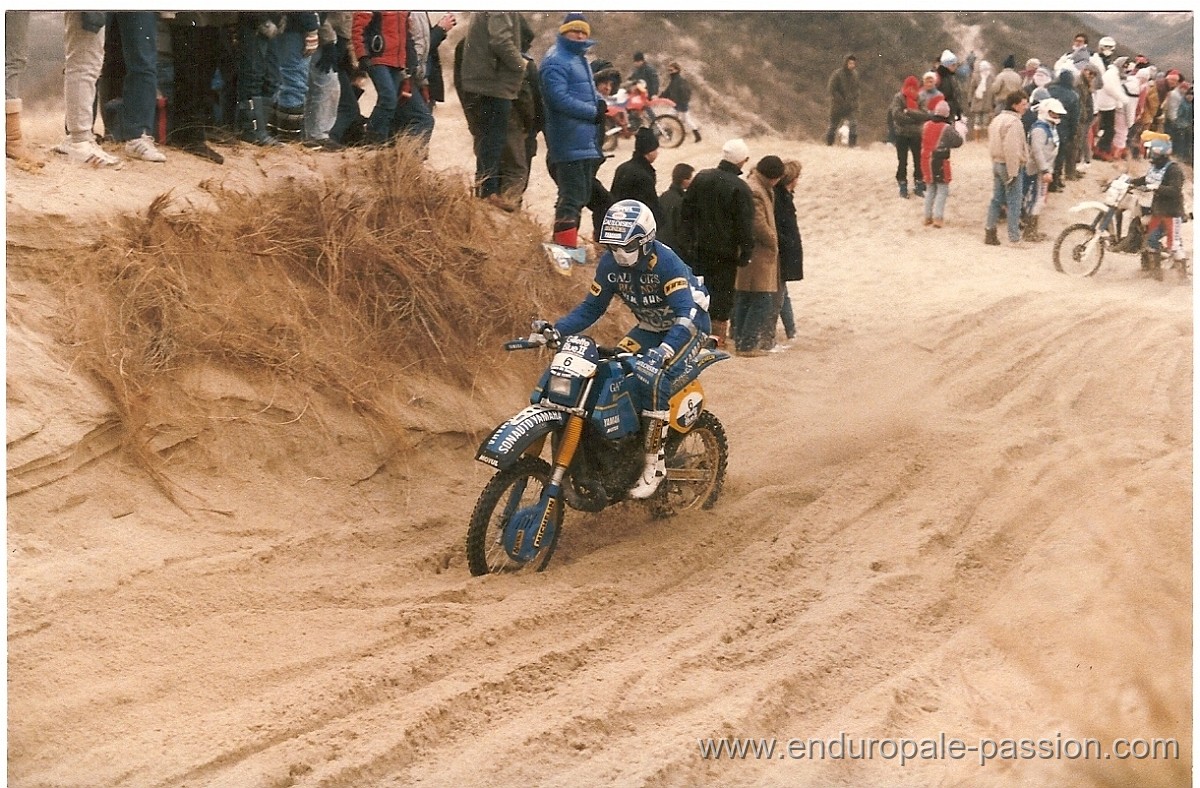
x=843, y=100
x=1010, y=151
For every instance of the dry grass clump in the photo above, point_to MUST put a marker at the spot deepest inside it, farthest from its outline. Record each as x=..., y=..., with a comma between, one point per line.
x=343, y=285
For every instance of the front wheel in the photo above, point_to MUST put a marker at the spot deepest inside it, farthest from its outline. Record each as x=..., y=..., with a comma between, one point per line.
x=512, y=490
x=669, y=130
x=1078, y=250
x=696, y=463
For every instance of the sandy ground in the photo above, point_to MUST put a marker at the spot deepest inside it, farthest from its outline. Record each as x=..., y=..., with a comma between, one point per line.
x=959, y=506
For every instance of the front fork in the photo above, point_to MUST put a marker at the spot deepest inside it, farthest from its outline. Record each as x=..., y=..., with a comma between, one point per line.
x=546, y=512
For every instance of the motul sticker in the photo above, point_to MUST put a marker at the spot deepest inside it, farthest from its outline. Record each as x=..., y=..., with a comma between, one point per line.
x=595, y=288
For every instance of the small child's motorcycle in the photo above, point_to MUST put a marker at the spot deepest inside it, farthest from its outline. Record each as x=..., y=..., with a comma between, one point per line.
x=586, y=404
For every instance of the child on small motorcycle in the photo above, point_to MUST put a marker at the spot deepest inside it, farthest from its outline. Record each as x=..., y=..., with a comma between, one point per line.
x=1165, y=179
x=671, y=307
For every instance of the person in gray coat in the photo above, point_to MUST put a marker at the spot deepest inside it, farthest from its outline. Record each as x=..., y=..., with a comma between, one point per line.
x=492, y=70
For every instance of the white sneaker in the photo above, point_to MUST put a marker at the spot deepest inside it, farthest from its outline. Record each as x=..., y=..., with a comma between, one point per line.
x=144, y=148
x=89, y=154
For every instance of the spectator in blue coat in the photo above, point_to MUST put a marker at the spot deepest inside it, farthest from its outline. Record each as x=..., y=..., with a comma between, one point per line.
x=575, y=113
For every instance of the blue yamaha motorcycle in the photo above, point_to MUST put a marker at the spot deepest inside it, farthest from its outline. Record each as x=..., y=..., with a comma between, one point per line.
x=587, y=406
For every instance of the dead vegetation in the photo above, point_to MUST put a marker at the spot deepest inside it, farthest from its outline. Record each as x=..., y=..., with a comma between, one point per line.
x=341, y=285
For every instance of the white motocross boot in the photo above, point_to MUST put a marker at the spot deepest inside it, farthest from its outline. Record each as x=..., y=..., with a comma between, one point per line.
x=655, y=469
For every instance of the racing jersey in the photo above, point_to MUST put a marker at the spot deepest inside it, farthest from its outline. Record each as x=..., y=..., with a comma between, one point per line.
x=661, y=291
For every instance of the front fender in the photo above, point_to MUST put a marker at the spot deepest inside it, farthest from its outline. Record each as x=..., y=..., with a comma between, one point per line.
x=1088, y=206
x=508, y=442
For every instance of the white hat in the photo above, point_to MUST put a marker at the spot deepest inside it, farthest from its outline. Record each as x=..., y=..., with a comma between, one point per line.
x=735, y=151
x=948, y=58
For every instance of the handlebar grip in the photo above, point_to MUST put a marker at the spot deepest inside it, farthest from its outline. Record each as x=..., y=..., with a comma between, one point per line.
x=522, y=344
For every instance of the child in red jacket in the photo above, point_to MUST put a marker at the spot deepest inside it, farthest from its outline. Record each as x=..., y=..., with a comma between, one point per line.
x=938, y=136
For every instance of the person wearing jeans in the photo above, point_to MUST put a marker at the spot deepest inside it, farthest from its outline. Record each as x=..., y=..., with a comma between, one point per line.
x=938, y=137
x=293, y=49
x=1009, y=151
x=139, y=90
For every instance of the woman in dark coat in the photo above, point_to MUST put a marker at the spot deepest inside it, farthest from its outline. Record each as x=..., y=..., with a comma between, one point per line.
x=791, y=250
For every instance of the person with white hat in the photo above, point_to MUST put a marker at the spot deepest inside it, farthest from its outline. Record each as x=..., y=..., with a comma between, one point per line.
x=716, y=233
x=948, y=84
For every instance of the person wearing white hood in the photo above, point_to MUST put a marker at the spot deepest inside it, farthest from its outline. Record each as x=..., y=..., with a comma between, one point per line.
x=979, y=102
x=1108, y=97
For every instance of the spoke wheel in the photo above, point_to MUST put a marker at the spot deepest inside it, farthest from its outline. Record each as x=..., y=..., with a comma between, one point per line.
x=1078, y=251
x=695, y=469
x=509, y=491
x=670, y=131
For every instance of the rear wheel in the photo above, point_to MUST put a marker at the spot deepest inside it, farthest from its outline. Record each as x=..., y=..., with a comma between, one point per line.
x=1078, y=251
x=515, y=488
x=696, y=463
x=669, y=130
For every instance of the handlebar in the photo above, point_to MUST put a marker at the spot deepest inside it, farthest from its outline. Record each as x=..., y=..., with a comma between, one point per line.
x=530, y=344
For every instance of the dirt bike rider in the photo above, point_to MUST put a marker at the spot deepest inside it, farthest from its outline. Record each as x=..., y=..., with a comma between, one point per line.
x=671, y=306
x=1165, y=179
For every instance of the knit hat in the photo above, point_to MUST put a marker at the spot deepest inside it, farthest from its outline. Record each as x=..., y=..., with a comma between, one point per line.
x=1120, y=63
x=574, y=21
x=1032, y=64
x=983, y=65
x=941, y=108
x=1010, y=61
x=770, y=167
x=1042, y=77
x=735, y=151
x=641, y=56
x=949, y=58
x=929, y=75
x=644, y=141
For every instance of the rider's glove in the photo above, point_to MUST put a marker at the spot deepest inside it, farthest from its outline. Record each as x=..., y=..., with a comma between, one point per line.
x=649, y=364
x=545, y=333
x=601, y=110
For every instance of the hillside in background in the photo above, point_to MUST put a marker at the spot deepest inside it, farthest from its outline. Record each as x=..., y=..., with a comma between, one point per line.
x=766, y=71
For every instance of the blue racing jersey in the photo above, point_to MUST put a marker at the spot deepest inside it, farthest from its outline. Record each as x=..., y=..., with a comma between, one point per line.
x=661, y=291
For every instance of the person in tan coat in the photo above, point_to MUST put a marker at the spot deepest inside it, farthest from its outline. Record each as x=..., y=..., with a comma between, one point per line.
x=758, y=281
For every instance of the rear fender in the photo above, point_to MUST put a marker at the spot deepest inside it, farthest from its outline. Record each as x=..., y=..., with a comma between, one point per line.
x=509, y=442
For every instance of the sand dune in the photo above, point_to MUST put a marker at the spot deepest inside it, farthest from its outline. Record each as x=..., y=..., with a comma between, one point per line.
x=960, y=504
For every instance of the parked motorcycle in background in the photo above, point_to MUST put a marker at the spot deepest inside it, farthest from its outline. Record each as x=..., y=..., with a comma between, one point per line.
x=630, y=109
x=585, y=404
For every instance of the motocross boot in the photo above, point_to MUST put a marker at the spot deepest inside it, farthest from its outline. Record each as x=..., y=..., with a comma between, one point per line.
x=655, y=429
x=990, y=237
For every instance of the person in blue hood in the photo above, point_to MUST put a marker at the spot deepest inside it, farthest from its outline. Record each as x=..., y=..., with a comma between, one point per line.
x=575, y=113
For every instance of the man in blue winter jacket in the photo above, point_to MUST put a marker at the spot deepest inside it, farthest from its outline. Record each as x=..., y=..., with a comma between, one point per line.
x=575, y=112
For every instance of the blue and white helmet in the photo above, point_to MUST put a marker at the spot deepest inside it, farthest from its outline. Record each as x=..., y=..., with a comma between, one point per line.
x=627, y=230
x=1159, y=149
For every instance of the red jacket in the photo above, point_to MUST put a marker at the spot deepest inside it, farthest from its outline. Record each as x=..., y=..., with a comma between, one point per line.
x=937, y=135
x=394, y=30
